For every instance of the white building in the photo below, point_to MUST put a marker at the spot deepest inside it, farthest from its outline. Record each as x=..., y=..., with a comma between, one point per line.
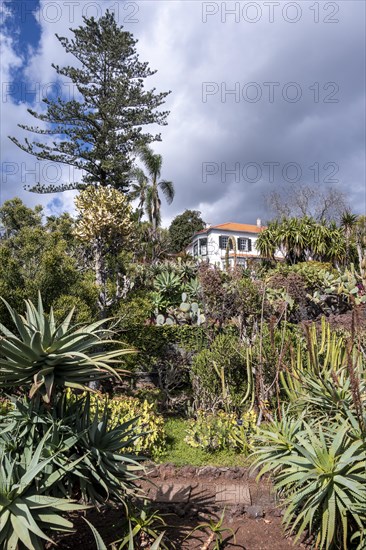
x=210, y=244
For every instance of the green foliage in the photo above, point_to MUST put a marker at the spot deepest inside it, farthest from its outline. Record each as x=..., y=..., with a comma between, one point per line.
x=320, y=470
x=169, y=285
x=5, y=406
x=64, y=303
x=179, y=453
x=318, y=464
x=123, y=409
x=182, y=229
x=311, y=272
x=322, y=375
x=219, y=376
x=45, y=355
x=301, y=239
x=91, y=455
x=135, y=312
x=340, y=292
x=216, y=531
x=153, y=342
x=42, y=258
x=144, y=528
x=220, y=431
x=149, y=185
x=187, y=313
x=26, y=510
x=14, y=215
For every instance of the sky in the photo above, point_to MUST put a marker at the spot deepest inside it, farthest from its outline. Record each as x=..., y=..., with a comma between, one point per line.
x=264, y=94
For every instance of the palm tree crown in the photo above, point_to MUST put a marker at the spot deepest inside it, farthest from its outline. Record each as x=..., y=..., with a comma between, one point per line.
x=147, y=186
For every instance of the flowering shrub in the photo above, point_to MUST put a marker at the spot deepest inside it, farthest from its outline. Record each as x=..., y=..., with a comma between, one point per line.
x=220, y=431
x=5, y=406
x=149, y=423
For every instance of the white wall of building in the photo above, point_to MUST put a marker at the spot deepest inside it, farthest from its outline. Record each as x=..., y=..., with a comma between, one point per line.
x=215, y=255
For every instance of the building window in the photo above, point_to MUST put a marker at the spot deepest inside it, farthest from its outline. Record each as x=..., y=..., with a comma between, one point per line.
x=203, y=247
x=195, y=250
x=241, y=261
x=223, y=240
x=244, y=244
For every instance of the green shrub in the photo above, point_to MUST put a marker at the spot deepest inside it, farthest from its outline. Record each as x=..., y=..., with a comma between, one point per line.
x=311, y=272
x=316, y=451
x=47, y=356
x=219, y=376
x=320, y=471
x=148, y=423
x=179, y=453
x=220, y=431
x=5, y=406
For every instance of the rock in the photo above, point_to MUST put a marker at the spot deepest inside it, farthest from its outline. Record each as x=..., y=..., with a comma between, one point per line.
x=236, y=511
x=276, y=512
x=167, y=470
x=254, y=512
x=187, y=471
x=208, y=471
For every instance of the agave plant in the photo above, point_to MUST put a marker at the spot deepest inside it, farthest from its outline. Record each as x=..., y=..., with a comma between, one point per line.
x=25, y=511
x=46, y=355
x=102, y=469
x=323, y=480
x=106, y=471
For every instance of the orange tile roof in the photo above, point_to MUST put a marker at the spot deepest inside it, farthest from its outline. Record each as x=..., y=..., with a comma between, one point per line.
x=235, y=227
x=230, y=226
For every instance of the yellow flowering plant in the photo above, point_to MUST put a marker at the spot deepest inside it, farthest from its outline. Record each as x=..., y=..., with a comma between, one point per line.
x=124, y=408
x=219, y=431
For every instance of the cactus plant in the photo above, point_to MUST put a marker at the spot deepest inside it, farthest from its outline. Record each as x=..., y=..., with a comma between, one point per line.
x=187, y=313
x=340, y=291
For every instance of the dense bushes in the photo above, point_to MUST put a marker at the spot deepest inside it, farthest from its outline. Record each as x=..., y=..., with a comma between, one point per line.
x=219, y=374
x=52, y=447
x=316, y=448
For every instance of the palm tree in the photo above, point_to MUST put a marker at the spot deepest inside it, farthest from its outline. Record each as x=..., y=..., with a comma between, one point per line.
x=139, y=190
x=153, y=164
x=348, y=224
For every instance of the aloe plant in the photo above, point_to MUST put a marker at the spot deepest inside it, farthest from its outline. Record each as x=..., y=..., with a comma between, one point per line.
x=144, y=530
x=216, y=531
x=102, y=470
x=45, y=355
x=26, y=512
x=321, y=472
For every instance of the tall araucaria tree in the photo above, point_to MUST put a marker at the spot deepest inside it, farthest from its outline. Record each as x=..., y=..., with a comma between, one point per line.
x=98, y=132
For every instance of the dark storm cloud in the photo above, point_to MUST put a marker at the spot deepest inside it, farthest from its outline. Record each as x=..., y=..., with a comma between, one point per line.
x=309, y=82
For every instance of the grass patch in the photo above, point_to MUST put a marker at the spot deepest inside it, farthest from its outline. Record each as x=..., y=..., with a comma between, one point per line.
x=180, y=453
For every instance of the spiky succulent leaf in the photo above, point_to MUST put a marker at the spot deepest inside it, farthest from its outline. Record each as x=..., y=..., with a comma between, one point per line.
x=44, y=355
